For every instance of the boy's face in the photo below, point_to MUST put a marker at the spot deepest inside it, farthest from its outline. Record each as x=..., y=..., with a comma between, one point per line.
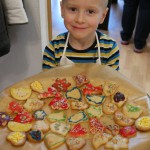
x=82, y=17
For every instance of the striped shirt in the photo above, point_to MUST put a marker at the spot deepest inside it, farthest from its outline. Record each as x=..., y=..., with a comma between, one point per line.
x=108, y=49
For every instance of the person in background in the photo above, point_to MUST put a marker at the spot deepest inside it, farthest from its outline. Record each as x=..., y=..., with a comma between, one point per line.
x=83, y=43
x=142, y=29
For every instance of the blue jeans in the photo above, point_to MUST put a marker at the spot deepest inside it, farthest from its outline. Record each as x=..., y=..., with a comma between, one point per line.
x=142, y=29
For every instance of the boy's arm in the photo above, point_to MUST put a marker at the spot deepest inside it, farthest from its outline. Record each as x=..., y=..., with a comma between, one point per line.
x=49, y=57
x=114, y=55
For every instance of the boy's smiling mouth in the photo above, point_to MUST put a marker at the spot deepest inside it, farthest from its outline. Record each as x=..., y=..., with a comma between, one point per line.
x=79, y=28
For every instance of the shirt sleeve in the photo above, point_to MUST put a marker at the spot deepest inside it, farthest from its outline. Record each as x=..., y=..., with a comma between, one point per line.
x=114, y=55
x=49, y=57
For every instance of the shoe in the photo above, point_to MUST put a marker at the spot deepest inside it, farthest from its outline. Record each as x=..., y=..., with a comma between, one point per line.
x=124, y=42
x=138, y=50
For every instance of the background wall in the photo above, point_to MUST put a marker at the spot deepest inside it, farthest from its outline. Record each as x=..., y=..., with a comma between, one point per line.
x=27, y=42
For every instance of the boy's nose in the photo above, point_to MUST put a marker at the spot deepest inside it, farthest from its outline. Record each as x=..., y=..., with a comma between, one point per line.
x=80, y=17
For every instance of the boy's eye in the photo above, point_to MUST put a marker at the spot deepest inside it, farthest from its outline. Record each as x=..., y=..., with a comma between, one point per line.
x=90, y=11
x=72, y=9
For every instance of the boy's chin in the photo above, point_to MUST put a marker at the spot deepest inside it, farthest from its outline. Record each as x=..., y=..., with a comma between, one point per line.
x=81, y=37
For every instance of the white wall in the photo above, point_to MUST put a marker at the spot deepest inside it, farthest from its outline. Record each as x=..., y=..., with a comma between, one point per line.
x=27, y=42
x=44, y=23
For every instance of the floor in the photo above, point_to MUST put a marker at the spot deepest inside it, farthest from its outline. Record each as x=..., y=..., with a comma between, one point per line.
x=132, y=65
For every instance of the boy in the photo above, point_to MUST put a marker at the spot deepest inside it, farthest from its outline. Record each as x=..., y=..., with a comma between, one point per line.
x=83, y=43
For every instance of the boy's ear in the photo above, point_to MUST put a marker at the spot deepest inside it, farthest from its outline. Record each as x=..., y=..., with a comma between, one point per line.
x=61, y=8
x=104, y=15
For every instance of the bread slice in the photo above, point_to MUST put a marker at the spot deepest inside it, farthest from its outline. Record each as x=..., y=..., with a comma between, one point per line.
x=60, y=128
x=95, y=99
x=78, y=117
x=94, y=111
x=53, y=140
x=56, y=116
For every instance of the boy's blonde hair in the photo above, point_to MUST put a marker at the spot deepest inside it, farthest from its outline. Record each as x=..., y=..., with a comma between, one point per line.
x=105, y=2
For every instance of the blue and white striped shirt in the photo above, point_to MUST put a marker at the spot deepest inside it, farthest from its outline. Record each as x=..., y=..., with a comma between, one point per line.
x=108, y=49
